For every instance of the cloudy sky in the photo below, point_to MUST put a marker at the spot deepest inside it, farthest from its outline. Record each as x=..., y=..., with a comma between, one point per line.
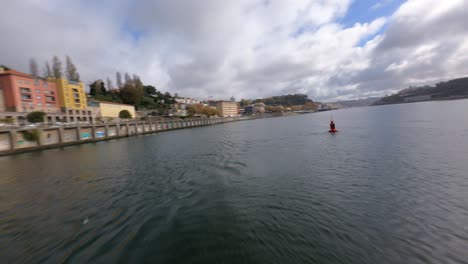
x=328, y=49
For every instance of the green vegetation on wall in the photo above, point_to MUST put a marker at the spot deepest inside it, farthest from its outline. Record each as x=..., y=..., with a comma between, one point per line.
x=125, y=114
x=31, y=135
x=36, y=117
x=7, y=120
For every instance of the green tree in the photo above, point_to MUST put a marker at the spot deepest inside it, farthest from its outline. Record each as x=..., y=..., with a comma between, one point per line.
x=199, y=109
x=35, y=117
x=130, y=94
x=127, y=78
x=32, y=135
x=138, y=84
x=47, y=70
x=125, y=114
x=33, y=68
x=70, y=69
x=149, y=90
x=92, y=90
x=97, y=88
x=118, y=78
x=57, y=67
x=5, y=67
x=109, y=84
x=245, y=102
x=147, y=102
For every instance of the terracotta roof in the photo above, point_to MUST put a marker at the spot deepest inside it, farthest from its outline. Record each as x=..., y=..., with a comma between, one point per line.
x=17, y=73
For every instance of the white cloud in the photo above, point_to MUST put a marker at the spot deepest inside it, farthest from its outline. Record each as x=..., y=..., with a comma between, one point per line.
x=242, y=48
x=381, y=4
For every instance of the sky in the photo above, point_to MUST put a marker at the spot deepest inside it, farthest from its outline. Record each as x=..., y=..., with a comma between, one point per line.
x=327, y=49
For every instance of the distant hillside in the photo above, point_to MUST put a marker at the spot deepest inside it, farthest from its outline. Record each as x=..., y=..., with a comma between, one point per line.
x=357, y=103
x=453, y=89
x=285, y=100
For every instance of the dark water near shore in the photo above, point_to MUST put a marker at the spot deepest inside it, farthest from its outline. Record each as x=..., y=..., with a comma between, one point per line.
x=390, y=187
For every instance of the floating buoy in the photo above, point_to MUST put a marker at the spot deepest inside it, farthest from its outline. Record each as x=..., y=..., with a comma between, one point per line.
x=332, y=127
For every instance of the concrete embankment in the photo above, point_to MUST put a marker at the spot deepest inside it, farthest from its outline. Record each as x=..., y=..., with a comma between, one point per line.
x=31, y=139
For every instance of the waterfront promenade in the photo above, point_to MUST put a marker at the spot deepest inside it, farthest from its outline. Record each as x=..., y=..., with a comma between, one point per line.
x=27, y=139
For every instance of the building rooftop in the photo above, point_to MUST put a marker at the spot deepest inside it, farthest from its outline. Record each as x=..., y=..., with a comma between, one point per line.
x=22, y=74
x=107, y=102
x=17, y=73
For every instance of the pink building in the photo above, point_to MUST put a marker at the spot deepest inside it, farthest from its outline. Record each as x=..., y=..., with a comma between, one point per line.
x=22, y=92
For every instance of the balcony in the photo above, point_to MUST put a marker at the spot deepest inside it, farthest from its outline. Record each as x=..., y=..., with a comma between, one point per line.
x=26, y=97
x=25, y=90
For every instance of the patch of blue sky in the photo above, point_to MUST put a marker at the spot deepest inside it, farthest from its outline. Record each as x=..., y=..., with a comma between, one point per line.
x=134, y=33
x=366, y=12
x=361, y=11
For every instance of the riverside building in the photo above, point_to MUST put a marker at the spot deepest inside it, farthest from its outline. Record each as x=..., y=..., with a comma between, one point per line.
x=227, y=109
x=60, y=99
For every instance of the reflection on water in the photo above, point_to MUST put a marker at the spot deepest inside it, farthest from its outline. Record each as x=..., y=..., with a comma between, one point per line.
x=390, y=187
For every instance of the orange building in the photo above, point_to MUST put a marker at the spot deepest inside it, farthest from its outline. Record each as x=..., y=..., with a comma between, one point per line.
x=22, y=92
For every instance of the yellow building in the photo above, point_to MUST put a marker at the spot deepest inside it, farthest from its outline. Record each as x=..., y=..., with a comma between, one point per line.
x=227, y=108
x=111, y=109
x=72, y=94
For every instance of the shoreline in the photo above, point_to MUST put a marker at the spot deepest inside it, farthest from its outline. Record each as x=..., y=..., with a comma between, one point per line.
x=14, y=142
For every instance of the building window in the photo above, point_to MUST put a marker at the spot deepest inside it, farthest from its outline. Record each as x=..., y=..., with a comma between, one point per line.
x=38, y=97
x=20, y=81
x=26, y=97
x=25, y=90
x=39, y=104
x=36, y=82
x=38, y=91
x=48, y=105
x=45, y=84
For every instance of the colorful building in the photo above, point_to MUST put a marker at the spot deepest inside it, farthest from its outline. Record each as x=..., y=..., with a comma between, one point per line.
x=110, y=109
x=72, y=94
x=21, y=92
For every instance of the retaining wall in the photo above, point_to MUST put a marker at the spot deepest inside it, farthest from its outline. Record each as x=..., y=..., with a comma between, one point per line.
x=14, y=141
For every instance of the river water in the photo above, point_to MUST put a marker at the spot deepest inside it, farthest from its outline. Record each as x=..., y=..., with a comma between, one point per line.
x=390, y=187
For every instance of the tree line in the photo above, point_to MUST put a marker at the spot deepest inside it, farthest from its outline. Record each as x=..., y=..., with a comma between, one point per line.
x=284, y=100
x=452, y=89
x=56, y=70
x=131, y=90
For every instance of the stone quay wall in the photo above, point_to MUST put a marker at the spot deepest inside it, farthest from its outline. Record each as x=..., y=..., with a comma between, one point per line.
x=18, y=140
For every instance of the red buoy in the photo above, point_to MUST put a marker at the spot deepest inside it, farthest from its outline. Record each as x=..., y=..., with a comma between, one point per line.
x=332, y=127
